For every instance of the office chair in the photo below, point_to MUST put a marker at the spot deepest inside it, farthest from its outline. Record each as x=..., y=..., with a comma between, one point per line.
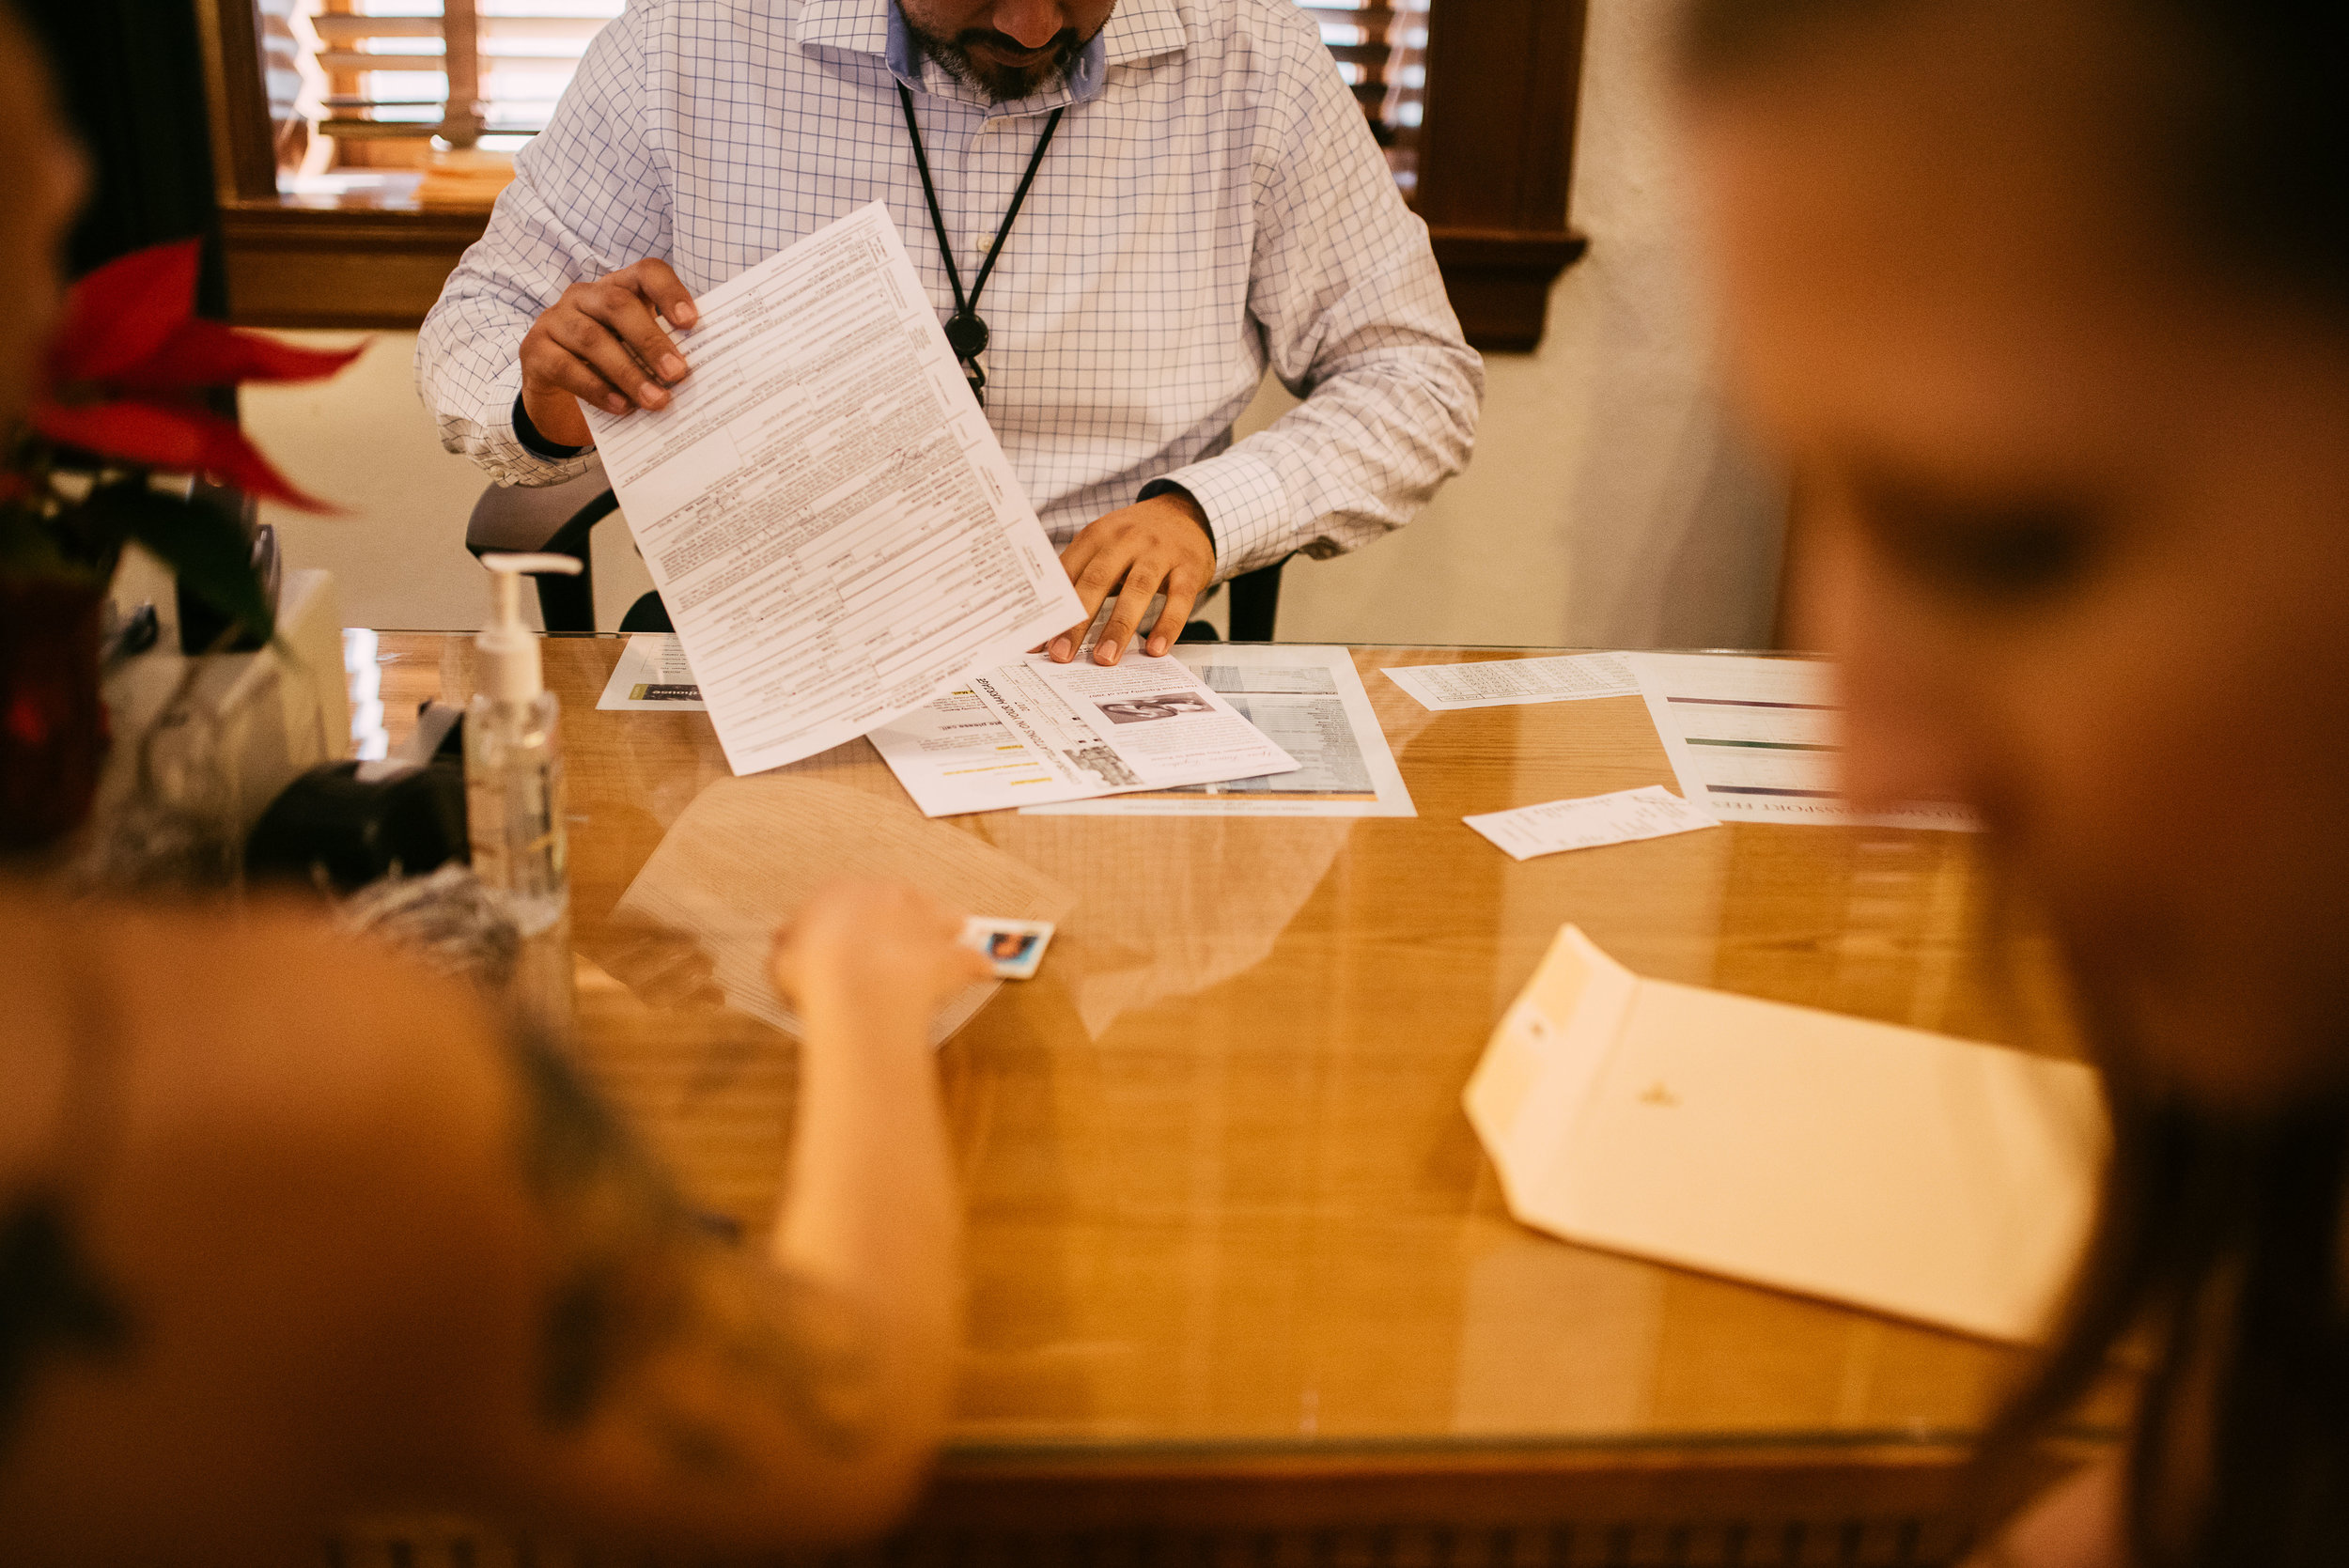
x=555, y=520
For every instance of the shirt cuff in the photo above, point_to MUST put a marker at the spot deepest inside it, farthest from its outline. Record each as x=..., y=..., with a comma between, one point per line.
x=1247, y=507
x=534, y=443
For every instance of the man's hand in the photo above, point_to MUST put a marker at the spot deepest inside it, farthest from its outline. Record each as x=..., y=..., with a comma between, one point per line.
x=602, y=343
x=1163, y=544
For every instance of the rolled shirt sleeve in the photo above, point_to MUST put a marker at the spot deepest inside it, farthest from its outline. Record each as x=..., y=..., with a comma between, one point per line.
x=588, y=197
x=1356, y=321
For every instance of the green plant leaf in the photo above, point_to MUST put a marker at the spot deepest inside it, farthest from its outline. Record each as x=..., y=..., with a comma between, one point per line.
x=209, y=554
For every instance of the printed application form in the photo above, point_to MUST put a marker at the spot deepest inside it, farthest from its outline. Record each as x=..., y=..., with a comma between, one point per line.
x=836, y=533
x=1754, y=739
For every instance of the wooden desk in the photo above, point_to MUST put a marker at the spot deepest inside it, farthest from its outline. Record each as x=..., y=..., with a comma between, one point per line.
x=1242, y=1286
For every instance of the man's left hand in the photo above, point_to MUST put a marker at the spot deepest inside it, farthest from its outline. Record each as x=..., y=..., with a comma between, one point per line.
x=1162, y=544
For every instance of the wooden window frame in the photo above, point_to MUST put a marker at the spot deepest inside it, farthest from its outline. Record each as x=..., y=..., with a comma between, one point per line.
x=1495, y=156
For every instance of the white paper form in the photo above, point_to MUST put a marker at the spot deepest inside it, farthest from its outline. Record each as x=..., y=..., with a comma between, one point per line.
x=652, y=676
x=1310, y=701
x=1507, y=682
x=1142, y=723
x=1622, y=817
x=1754, y=739
x=829, y=519
x=954, y=755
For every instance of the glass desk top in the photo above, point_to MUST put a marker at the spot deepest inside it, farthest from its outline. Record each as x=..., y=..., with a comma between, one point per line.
x=1222, y=1192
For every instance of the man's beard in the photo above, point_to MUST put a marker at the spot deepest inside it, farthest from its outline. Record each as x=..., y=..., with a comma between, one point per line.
x=1003, y=83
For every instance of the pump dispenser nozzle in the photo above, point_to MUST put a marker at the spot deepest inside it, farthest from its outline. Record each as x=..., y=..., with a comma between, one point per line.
x=510, y=670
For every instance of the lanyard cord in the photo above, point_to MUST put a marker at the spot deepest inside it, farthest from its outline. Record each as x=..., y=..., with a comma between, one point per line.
x=967, y=332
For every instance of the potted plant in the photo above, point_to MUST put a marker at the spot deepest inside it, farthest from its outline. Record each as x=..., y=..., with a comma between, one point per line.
x=123, y=401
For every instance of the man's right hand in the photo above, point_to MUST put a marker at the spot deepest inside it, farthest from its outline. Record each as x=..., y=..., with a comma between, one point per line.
x=602, y=343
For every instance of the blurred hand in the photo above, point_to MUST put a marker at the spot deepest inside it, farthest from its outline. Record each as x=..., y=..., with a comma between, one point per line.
x=1163, y=543
x=874, y=945
x=602, y=343
x=664, y=969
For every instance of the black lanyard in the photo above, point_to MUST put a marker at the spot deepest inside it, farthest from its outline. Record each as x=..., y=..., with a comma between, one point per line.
x=966, y=329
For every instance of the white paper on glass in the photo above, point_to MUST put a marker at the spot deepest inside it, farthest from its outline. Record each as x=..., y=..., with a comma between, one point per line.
x=1509, y=682
x=1755, y=739
x=832, y=526
x=1623, y=817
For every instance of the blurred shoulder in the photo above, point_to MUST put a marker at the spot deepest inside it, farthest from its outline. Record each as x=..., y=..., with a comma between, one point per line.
x=253, y=1027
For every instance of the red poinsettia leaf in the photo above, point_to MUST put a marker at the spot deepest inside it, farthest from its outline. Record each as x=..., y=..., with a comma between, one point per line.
x=179, y=439
x=123, y=311
x=206, y=353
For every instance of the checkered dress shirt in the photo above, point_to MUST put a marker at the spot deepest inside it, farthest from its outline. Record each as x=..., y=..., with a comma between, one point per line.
x=1212, y=204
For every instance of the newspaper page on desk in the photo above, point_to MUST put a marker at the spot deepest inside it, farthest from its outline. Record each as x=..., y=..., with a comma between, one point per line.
x=1755, y=740
x=832, y=526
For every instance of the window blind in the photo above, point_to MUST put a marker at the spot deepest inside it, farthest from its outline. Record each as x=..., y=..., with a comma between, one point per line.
x=384, y=78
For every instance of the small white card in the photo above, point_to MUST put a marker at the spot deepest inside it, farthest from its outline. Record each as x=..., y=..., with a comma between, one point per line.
x=1015, y=947
x=1510, y=682
x=652, y=678
x=1585, y=824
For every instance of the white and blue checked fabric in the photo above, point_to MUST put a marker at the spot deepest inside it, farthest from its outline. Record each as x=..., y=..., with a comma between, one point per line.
x=1212, y=204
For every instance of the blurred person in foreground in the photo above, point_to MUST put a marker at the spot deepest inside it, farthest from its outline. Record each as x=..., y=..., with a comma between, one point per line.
x=2047, y=301
x=288, y=1229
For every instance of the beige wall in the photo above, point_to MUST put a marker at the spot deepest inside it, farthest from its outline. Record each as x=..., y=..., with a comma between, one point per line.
x=1607, y=504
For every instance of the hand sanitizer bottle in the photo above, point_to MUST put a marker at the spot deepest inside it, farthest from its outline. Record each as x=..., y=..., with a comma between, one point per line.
x=514, y=806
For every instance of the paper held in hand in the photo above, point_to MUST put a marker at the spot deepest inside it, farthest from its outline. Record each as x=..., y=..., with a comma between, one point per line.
x=836, y=533
x=1903, y=1172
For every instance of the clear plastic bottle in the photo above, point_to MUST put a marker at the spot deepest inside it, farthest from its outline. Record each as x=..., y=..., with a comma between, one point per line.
x=514, y=798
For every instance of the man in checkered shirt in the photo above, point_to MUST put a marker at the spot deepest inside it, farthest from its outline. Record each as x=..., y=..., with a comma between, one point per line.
x=1211, y=204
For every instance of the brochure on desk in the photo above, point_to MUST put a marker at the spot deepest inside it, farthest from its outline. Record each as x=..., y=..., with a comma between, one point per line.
x=1907, y=1173
x=972, y=750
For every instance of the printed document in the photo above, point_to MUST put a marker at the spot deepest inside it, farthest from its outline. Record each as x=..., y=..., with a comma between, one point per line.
x=652, y=678
x=1506, y=682
x=1586, y=824
x=1310, y=702
x=829, y=522
x=1755, y=739
x=1033, y=731
x=1903, y=1172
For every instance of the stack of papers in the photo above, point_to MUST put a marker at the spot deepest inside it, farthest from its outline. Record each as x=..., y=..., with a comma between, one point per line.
x=832, y=526
x=1033, y=732
x=839, y=540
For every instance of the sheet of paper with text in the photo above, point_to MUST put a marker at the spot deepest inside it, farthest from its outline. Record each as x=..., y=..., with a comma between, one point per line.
x=828, y=517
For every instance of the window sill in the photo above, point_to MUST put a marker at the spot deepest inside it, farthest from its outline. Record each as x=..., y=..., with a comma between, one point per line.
x=378, y=258
x=372, y=259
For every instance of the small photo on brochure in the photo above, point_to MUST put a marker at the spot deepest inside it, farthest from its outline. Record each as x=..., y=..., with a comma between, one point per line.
x=1144, y=710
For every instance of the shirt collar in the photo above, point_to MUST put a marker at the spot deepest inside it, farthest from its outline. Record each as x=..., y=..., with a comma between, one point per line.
x=1138, y=30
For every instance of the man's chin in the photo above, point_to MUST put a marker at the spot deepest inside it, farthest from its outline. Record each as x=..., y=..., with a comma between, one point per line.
x=1009, y=84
